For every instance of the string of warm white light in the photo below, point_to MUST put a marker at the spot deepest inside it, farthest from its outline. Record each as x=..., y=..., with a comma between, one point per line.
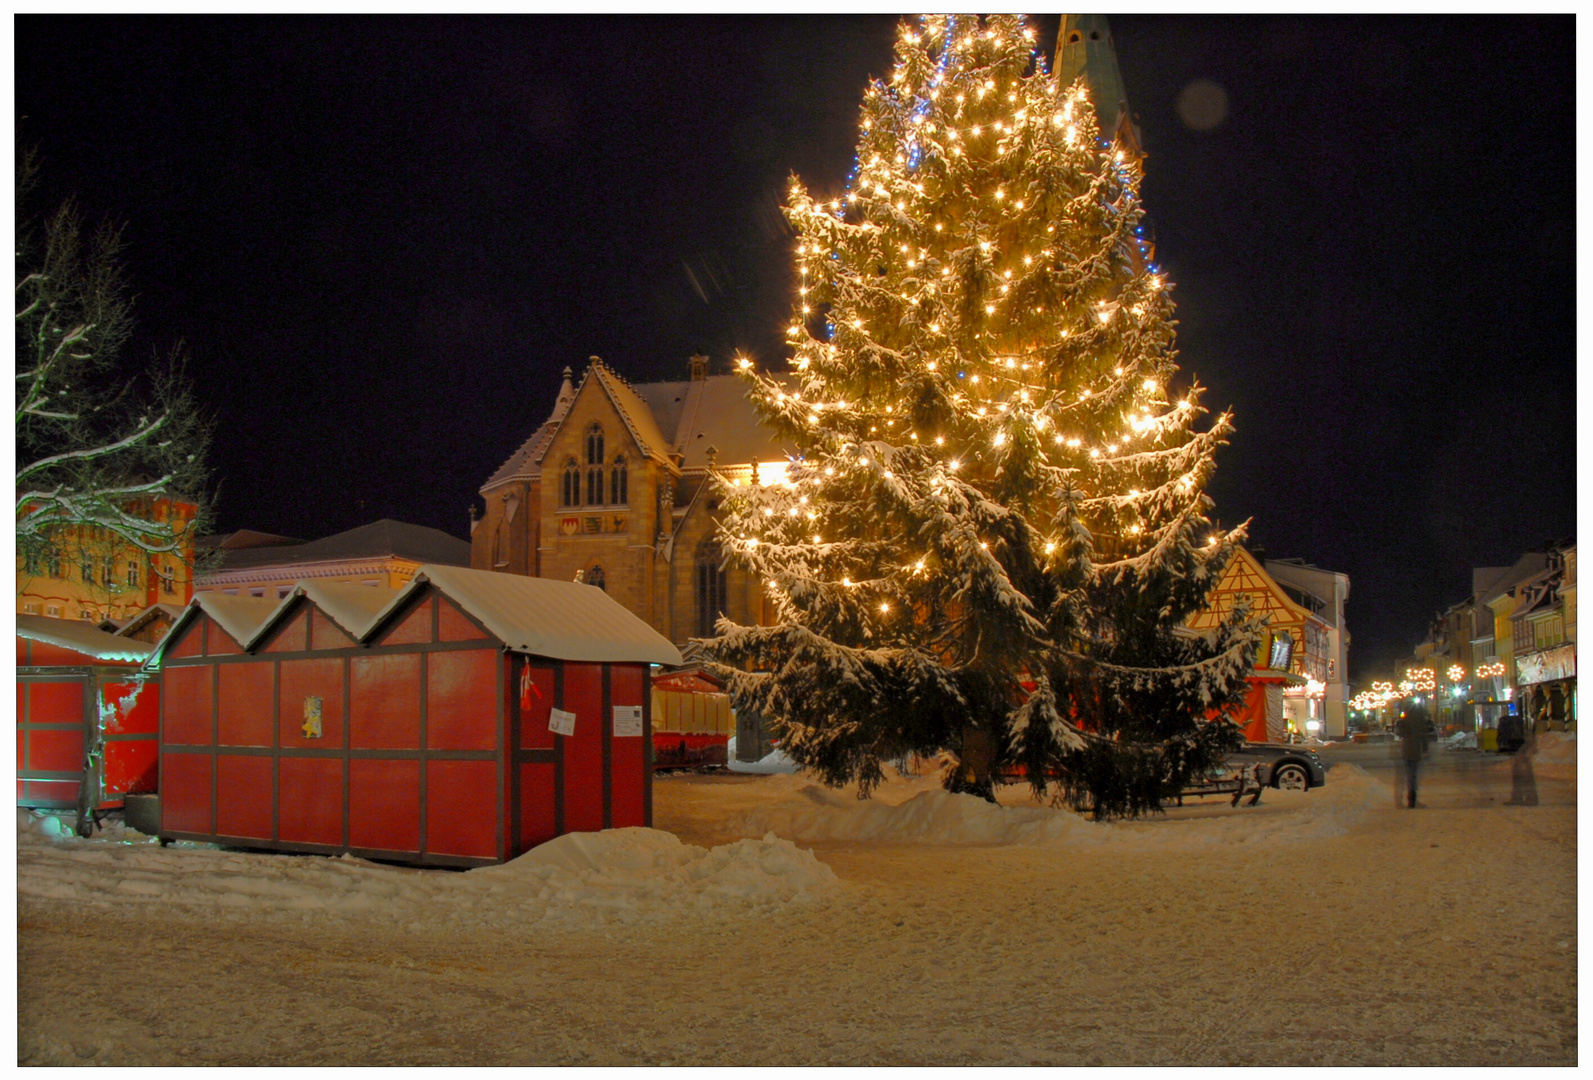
x=939, y=279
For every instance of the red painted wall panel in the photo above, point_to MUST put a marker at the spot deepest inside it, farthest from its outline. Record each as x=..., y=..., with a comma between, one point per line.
x=303, y=679
x=384, y=804
x=56, y=750
x=135, y=707
x=384, y=706
x=460, y=796
x=243, y=796
x=583, y=751
x=185, y=793
x=22, y=651
x=536, y=699
x=218, y=642
x=244, y=704
x=536, y=805
x=326, y=634
x=188, y=705
x=412, y=628
x=56, y=703
x=188, y=644
x=291, y=637
x=130, y=768
x=310, y=801
x=627, y=763
x=454, y=625
x=462, y=700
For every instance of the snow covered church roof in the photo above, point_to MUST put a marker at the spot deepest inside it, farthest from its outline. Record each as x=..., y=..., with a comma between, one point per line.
x=676, y=421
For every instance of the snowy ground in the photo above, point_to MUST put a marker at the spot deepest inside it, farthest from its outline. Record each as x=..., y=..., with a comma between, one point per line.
x=1325, y=927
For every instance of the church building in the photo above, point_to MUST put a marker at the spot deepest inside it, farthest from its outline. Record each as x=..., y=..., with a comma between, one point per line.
x=613, y=490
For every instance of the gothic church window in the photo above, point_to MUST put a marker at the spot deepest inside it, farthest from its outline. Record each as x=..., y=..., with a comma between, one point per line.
x=619, y=483
x=594, y=464
x=710, y=585
x=571, y=495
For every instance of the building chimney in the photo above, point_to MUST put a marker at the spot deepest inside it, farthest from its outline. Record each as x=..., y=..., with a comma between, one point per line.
x=699, y=368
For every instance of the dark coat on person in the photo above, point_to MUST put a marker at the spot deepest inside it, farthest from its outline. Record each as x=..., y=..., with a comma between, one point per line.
x=1412, y=730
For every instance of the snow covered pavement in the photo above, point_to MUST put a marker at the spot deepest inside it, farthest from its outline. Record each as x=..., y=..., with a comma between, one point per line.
x=919, y=928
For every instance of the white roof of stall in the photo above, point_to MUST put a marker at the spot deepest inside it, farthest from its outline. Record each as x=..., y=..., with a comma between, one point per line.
x=82, y=637
x=349, y=604
x=240, y=616
x=564, y=620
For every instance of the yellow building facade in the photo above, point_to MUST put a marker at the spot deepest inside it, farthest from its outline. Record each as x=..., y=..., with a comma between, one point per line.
x=92, y=574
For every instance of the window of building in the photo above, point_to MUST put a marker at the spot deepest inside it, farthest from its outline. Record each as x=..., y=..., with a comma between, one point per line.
x=595, y=576
x=168, y=581
x=108, y=570
x=619, y=487
x=53, y=610
x=594, y=465
x=572, y=484
x=86, y=615
x=258, y=593
x=86, y=567
x=54, y=563
x=229, y=592
x=132, y=573
x=283, y=590
x=710, y=586
x=33, y=561
x=30, y=609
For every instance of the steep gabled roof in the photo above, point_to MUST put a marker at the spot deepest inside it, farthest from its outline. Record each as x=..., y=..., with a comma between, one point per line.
x=240, y=616
x=713, y=412
x=82, y=637
x=149, y=615
x=351, y=605
x=564, y=620
x=524, y=462
x=633, y=411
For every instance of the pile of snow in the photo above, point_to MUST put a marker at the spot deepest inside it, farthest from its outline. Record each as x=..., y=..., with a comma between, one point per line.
x=1556, y=747
x=1461, y=740
x=919, y=811
x=776, y=762
x=623, y=875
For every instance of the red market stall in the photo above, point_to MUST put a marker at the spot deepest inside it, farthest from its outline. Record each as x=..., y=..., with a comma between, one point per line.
x=85, y=709
x=458, y=721
x=692, y=719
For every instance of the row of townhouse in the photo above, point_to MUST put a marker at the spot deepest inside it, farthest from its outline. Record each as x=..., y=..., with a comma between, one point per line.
x=1510, y=647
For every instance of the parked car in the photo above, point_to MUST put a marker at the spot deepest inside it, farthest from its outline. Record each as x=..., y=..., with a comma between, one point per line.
x=1291, y=768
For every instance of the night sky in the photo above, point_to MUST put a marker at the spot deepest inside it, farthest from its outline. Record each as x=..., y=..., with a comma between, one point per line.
x=382, y=239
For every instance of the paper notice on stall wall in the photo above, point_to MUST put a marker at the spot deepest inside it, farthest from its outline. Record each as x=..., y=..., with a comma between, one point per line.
x=561, y=722
x=627, y=721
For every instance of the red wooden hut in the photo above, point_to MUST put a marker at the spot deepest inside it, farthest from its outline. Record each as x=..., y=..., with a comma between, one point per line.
x=458, y=721
x=80, y=689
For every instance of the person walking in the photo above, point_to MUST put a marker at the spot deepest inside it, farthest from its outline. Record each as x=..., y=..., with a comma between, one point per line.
x=1412, y=730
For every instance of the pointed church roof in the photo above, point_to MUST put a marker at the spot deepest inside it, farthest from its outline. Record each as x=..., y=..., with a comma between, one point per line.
x=1085, y=48
x=521, y=462
x=639, y=419
x=671, y=421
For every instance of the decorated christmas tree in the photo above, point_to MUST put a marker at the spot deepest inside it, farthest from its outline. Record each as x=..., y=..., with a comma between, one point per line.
x=995, y=520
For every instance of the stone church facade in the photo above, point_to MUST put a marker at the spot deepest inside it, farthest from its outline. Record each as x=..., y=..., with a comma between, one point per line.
x=613, y=488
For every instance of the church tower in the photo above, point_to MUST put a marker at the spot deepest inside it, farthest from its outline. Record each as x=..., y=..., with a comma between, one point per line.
x=1085, y=48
